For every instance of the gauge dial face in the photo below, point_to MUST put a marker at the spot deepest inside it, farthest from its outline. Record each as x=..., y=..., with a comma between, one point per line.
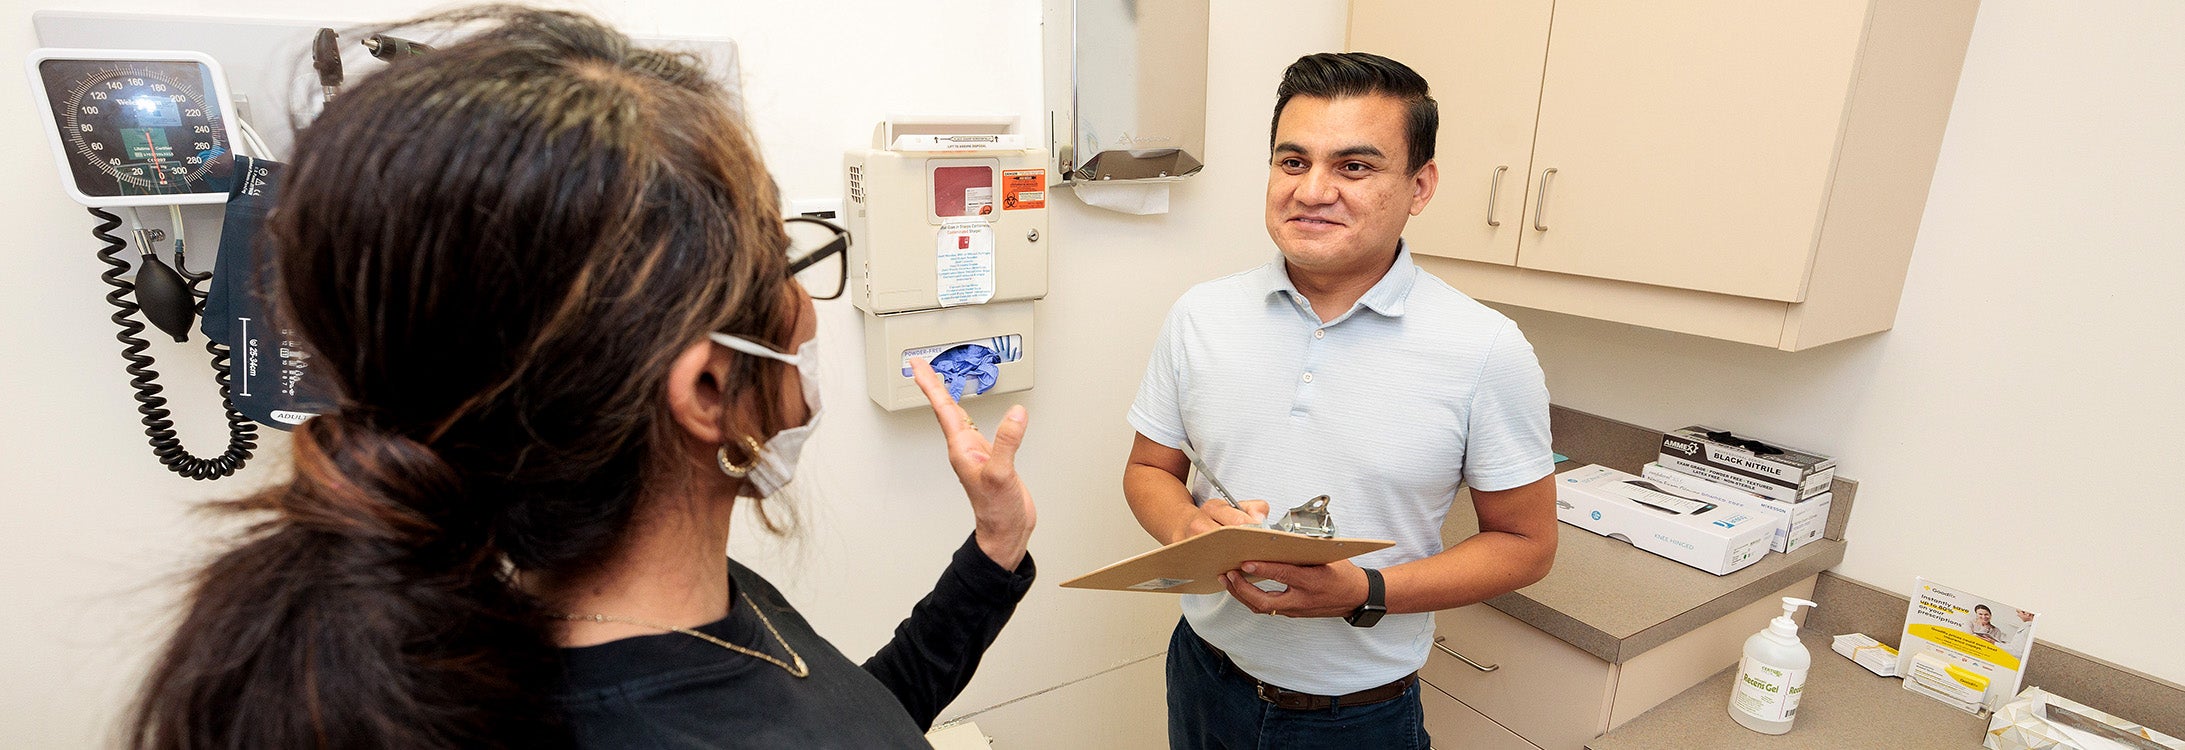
x=139, y=127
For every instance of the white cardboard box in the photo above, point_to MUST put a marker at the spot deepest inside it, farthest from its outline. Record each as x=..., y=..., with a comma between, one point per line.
x=1713, y=537
x=1802, y=523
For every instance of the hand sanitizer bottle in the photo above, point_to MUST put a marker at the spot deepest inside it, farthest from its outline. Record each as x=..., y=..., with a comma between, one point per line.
x=1772, y=675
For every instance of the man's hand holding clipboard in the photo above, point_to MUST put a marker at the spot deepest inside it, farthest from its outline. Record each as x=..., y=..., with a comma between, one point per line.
x=1203, y=563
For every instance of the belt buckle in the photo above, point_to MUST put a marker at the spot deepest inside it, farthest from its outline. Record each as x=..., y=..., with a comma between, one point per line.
x=1290, y=700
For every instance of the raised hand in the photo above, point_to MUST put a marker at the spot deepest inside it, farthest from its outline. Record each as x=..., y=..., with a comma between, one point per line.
x=1001, y=506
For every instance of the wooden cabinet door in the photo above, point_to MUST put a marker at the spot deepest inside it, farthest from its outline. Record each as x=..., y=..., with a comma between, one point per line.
x=1692, y=141
x=1482, y=62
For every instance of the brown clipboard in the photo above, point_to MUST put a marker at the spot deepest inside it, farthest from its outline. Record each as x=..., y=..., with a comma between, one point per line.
x=1195, y=565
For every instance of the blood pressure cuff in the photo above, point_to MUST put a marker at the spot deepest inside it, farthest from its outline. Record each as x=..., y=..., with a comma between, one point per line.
x=271, y=371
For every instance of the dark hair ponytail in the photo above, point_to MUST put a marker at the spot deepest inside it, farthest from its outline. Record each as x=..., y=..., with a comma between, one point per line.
x=352, y=620
x=497, y=250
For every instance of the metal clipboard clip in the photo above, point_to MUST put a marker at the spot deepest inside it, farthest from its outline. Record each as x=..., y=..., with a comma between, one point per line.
x=1310, y=519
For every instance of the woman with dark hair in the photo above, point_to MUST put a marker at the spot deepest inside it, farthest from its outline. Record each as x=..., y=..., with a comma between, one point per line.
x=547, y=272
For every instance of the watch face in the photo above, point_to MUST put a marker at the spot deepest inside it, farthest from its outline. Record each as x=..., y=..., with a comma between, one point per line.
x=1366, y=616
x=139, y=127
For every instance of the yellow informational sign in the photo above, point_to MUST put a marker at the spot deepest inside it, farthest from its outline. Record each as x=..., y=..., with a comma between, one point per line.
x=1964, y=643
x=1974, y=649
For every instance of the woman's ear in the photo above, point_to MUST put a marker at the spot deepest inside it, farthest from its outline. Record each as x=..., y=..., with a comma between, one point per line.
x=698, y=394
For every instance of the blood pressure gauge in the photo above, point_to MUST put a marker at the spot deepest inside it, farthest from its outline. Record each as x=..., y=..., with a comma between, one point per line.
x=136, y=128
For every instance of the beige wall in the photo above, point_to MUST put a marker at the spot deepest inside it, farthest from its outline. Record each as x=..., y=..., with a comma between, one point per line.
x=2016, y=432
x=96, y=531
x=2044, y=377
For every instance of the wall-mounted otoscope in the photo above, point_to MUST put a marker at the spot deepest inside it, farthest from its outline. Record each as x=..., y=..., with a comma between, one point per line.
x=387, y=47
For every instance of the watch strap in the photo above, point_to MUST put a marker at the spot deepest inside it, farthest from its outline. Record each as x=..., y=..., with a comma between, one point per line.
x=1369, y=614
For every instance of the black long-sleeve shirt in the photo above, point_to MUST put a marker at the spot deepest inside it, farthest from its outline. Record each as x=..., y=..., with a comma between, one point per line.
x=675, y=691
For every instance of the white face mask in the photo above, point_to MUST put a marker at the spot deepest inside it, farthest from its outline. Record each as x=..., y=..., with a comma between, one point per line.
x=776, y=463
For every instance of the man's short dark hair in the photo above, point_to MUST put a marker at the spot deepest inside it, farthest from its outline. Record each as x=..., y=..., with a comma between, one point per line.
x=1340, y=75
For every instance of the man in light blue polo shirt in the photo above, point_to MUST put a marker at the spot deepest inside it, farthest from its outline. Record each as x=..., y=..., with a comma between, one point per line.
x=1339, y=368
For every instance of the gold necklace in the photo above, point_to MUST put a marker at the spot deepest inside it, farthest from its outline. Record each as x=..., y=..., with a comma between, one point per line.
x=796, y=670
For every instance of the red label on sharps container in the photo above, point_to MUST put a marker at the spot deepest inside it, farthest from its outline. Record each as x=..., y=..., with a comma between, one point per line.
x=1023, y=189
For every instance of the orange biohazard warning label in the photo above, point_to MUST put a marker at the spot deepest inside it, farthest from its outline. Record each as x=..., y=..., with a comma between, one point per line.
x=1023, y=189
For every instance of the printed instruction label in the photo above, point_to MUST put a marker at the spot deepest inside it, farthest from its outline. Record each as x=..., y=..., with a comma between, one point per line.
x=1023, y=189
x=1767, y=693
x=978, y=201
x=964, y=249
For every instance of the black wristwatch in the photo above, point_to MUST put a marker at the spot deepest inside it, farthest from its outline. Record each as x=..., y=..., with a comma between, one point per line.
x=1369, y=614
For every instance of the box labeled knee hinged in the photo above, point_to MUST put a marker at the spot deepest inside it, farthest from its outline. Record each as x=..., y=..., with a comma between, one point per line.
x=1801, y=523
x=1713, y=537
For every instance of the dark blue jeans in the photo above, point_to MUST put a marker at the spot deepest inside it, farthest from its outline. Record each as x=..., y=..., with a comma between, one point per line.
x=1213, y=708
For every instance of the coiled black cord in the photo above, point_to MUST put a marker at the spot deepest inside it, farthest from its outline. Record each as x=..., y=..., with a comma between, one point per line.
x=158, y=426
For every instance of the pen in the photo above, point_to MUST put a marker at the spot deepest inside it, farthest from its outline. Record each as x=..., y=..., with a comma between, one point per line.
x=1203, y=471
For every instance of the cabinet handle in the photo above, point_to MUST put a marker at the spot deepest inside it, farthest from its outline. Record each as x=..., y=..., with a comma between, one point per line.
x=1540, y=205
x=1460, y=657
x=1494, y=189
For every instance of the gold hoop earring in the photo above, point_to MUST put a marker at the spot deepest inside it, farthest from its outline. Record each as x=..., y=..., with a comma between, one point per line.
x=729, y=467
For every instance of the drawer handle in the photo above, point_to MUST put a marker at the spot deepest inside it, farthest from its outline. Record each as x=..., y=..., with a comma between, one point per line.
x=1460, y=657
x=1540, y=205
x=1494, y=189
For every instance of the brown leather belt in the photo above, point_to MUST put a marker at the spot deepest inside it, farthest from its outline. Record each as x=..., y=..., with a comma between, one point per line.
x=1292, y=700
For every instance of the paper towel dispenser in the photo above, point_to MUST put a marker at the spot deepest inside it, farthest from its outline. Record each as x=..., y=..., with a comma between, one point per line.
x=1125, y=88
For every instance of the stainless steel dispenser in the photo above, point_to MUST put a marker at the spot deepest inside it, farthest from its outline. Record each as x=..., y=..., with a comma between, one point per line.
x=1125, y=88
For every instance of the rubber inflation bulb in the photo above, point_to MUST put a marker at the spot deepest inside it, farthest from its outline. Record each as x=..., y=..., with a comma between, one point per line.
x=165, y=299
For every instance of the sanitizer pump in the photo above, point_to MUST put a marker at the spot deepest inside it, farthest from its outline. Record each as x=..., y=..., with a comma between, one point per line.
x=1772, y=676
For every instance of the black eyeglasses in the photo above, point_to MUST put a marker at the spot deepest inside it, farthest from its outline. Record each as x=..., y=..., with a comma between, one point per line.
x=818, y=256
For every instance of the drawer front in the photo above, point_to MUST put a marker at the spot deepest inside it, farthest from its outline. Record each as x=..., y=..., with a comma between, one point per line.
x=1547, y=691
x=1455, y=726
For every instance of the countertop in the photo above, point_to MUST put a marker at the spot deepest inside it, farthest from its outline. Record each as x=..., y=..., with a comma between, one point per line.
x=1615, y=601
x=1844, y=706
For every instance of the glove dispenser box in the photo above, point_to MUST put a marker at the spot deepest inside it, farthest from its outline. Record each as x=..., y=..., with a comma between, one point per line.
x=893, y=340
x=949, y=216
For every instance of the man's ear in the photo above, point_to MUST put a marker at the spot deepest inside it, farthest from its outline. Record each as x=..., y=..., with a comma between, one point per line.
x=1423, y=184
x=698, y=393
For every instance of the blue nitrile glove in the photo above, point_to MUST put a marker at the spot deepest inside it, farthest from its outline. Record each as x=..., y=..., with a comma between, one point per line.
x=960, y=365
